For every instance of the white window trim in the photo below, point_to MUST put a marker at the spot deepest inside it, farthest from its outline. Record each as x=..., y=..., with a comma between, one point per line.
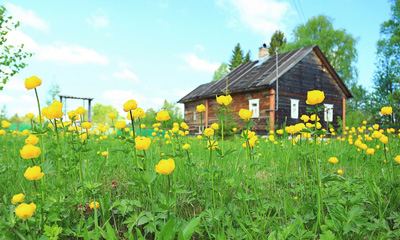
x=292, y=102
x=194, y=115
x=328, y=115
x=256, y=113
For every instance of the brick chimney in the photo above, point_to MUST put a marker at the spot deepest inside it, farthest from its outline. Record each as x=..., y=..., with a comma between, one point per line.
x=263, y=52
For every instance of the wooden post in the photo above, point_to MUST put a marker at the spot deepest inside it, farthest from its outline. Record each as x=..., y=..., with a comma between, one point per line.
x=344, y=114
x=271, y=109
x=206, y=121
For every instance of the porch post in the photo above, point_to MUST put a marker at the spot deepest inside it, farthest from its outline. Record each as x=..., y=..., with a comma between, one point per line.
x=271, y=109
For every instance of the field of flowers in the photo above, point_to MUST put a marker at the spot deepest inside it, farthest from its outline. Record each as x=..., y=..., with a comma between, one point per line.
x=71, y=180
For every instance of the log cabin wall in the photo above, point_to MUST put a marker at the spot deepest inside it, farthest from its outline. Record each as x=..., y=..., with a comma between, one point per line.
x=240, y=100
x=308, y=74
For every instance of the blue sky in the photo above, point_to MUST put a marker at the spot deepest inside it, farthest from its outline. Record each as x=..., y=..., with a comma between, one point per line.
x=149, y=51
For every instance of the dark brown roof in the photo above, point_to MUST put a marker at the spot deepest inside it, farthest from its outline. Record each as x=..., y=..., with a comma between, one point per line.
x=259, y=74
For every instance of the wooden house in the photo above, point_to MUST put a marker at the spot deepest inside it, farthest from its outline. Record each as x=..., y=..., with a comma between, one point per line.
x=275, y=88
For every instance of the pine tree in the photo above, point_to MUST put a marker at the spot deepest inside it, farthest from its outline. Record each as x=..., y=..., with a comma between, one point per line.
x=278, y=42
x=247, y=57
x=237, y=57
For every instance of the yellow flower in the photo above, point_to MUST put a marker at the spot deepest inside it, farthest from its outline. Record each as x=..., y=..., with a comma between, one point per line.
x=105, y=153
x=165, y=166
x=245, y=114
x=80, y=110
x=370, y=151
x=138, y=113
x=215, y=126
x=200, y=108
x=271, y=138
x=142, y=126
x=30, y=151
x=162, y=116
x=184, y=125
x=305, y=118
x=32, y=82
x=279, y=131
x=87, y=125
x=313, y=118
x=175, y=130
x=153, y=134
x=33, y=173
x=376, y=126
x=130, y=105
x=234, y=129
x=32, y=139
x=212, y=144
x=112, y=115
x=224, y=100
x=73, y=116
x=397, y=159
x=198, y=136
x=186, y=147
x=25, y=211
x=315, y=97
x=18, y=198
x=376, y=134
x=386, y=111
x=384, y=139
x=30, y=115
x=364, y=122
x=333, y=160
x=142, y=143
x=340, y=171
x=91, y=205
x=208, y=132
x=5, y=124
x=120, y=125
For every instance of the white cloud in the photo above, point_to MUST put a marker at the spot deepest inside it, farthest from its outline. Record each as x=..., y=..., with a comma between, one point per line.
x=198, y=64
x=59, y=53
x=126, y=74
x=98, y=20
x=27, y=17
x=261, y=16
x=15, y=84
x=7, y=99
x=199, y=48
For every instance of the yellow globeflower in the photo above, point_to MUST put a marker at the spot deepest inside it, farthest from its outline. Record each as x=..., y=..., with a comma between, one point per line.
x=215, y=126
x=212, y=144
x=364, y=122
x=186, y=146
x=80, y=110
x=138, y=113
x=312, y=118
x=18, y=198
x=315, y=97
x=2, y=132
x=198, y=136
x=91, y=205
x=5, y=124
x=112, y=115
x=200, y=108
x=305, y=118
x=25, y=211
x=234, y=129
x=165, y=166
x=87, y=125
x=386, y=111
x=32, y=82
x=105, y=153
x=30, y=115
x=120, y=125
x=162, y=116
x=33, y=173
x=384, y=139
x=397, y=159
x=340, y=171
x=142, y=143
x=32, y=139
x=224, y=100
x=333, y=160
x=370, y=151
x=184, y=125
x=245, y=114
x=73, y=116
x=208, y=132
x=153, y=134
x=130, y=105
x=30, y=151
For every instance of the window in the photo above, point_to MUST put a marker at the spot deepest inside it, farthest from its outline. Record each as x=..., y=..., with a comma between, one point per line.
x=328, y=113
x=254, y=105
x=194, y=115
x=294, y=108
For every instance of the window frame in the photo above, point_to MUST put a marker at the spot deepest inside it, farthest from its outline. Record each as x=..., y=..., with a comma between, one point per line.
x=328, y=115
x=292, y=101
x=256, y=114
x=194, y=115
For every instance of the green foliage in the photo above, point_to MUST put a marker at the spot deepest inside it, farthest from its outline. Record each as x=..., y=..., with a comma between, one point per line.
x=247, y=58
x=238, y=58
x=338, y=46
x=100, y=113
x=221, y=72
x=3, y=113
x=386, y=78
x=278, y=42
x=12, y=57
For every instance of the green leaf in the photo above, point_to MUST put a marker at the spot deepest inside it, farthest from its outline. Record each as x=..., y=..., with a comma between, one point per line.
x=189, y=229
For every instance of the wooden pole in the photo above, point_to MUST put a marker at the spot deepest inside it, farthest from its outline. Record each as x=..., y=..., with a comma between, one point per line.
x=90, y=110
x=271, y=109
